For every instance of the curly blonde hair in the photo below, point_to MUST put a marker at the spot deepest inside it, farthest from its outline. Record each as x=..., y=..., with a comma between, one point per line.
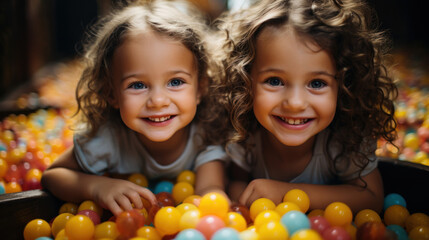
x=175, y=19
x=345, y=29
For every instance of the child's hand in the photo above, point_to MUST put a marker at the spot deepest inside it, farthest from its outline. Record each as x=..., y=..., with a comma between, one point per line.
x=262, y=188
x=119, y=195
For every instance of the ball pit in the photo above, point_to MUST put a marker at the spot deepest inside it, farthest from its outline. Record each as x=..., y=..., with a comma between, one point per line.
x=212, y=217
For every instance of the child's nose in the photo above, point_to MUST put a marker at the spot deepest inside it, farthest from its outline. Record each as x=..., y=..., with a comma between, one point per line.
x=158, y=98
x=295, y=100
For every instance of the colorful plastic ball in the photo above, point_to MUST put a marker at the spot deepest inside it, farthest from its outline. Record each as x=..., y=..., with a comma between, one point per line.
x=44, y=238
x=394, y=199
x=128, y=222
x=189, y=219
x=194, y=199
x=182, y=190
x=338, y=214
x=149, y=233
x=299, y=197
x=226, y=233
x=264, y=217
x=260, y=205
x=400, y=232
x=273, y=231
x=319, y=223
x=12, y=187
x=68, y=208
x=139, y=179
x=366, y=215
x=190, y=234
x=336, y=233
x=91, y=214
x=37, y=228
x=184, y=207
x=59, y=222
x=3, y=167
x=416, y=220
x=396, y=214
x=419, y=233
x=316, y=212
x=214, y=204
x=243, y=210
x=373, y=231
x=163, y=186
x=306, y=234
x=249, y=235
x=352, y=230
x=411, y=140
x=90, y=205
x=2, y=189
x=79, y=227
x=294, y=221
x=167, y=220
x=165, y=199
x=186, y=176
x=236, y=220
x=285, y=207
x=106, y=230
x=209, y=224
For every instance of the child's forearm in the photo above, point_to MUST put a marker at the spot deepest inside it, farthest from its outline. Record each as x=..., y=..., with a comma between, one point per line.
x=68, y=185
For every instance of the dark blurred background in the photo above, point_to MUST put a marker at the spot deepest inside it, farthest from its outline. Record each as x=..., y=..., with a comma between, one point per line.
x=36, y=33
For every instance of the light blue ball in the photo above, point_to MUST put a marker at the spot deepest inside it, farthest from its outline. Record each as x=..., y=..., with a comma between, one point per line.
x=164, y=186
x=294, y=221
x=190, y=234
x=43, y=238
x=399, y=231
x=2, y=190
x=394, y=199
x=226, y=233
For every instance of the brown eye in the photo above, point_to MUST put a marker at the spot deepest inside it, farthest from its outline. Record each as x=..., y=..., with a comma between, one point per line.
x=274, y=81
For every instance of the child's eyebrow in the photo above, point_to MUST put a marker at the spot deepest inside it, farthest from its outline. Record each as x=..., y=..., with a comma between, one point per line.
x=277, y=70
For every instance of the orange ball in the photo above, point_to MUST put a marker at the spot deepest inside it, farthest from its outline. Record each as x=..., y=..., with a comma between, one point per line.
x=396, y=214
x=338, y=214
x=299, y=197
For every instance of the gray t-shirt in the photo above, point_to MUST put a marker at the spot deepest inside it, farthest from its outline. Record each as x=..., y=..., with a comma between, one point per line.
x=320, y=169
x=117, y=149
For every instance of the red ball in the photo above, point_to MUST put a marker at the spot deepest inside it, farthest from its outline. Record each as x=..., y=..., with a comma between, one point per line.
x=319, y=223
x=165, y=199
x=336, y=233
x=128, y=222
x=243, y=210
x=209, y=224
x=95, y=218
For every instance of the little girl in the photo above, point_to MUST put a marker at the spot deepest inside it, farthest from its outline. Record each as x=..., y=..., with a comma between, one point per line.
x=144, y=96
x=309, y=96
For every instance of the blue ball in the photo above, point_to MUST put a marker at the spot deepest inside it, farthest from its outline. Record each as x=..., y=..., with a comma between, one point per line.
x=394, y=199
x=2, y=190
x=294, y=221
x=43, y=238
x=190, y=234
x=164, y=186
x=399, y=231
x=226, y=233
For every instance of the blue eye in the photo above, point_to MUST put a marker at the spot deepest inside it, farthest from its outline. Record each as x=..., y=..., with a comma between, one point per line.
x=317, y=84
x=175, y=82
x=137, y=85
x=274, y=81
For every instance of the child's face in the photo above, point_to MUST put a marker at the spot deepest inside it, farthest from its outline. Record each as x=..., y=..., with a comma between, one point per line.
x=295, y=91
x=156, y=81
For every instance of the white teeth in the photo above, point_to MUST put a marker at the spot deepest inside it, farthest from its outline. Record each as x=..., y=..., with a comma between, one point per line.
x=161, y=119
x=294, y=121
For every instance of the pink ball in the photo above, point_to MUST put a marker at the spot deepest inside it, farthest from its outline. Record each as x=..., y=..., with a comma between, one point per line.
x=336, y=233
x=209, y=224
x=95, y=218
x=319, y=223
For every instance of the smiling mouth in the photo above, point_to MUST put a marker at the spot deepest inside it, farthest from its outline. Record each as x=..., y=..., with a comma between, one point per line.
x=159, y=119
x=291, y=121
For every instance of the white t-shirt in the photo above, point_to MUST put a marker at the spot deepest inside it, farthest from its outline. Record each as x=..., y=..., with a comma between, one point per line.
x=116, y=149
x=320, y=169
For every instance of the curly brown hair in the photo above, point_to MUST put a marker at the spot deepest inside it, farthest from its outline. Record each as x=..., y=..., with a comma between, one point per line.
x=344, y=28
x=175, y=19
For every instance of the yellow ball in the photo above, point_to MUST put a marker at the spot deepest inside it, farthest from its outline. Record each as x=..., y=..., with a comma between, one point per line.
x=338, y=214
x=285, y=207
x=149, y=233
x=181, y=191
x=366, y=215
x=37, y=228
x=299, y=197
x=59, y=222
x=272, y=231
x=265, y=217
x=139, y=179
x=260, y=205
x=79, y=227
x=106, y=229
x=396, y=214
x=214, y=204
x=236, y=221
x=416, y=220
x=306, y=234
x=186, y=176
